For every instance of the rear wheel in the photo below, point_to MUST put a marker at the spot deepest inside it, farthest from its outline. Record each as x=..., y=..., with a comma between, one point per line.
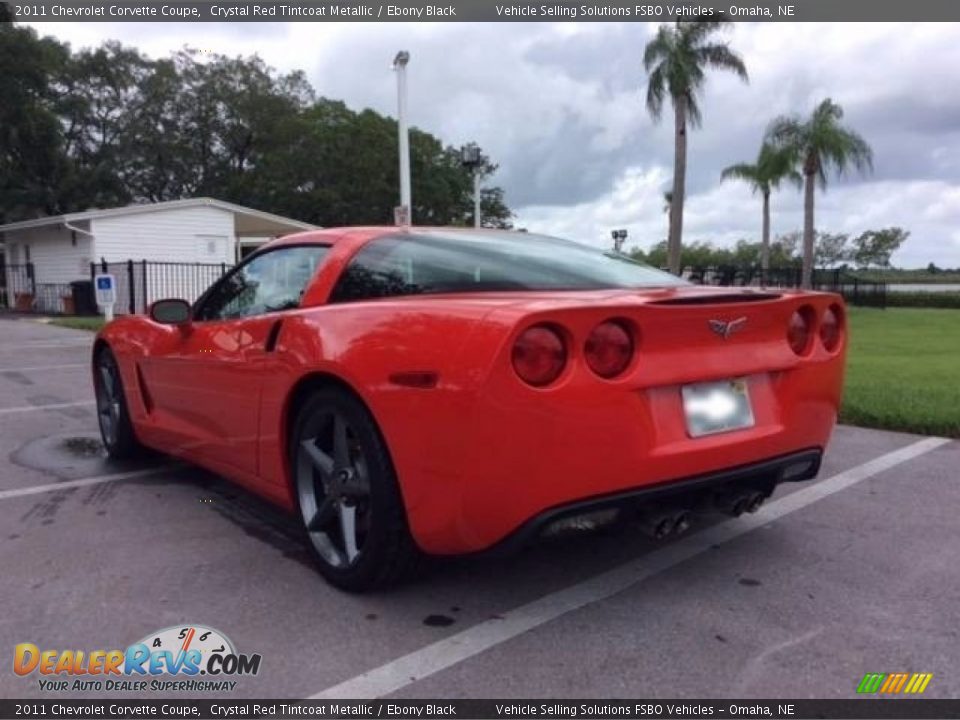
x=116, y=430
x=350, y=503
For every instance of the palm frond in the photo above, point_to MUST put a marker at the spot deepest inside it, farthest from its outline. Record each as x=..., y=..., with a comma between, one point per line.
x=720, y=56
x=656, y=88
x=743, y=171
x=658, y=49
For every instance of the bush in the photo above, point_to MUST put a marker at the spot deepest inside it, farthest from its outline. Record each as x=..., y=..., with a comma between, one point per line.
x=947, y=300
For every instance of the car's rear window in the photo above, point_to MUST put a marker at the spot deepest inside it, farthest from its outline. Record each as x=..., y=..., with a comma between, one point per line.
x=453, y=262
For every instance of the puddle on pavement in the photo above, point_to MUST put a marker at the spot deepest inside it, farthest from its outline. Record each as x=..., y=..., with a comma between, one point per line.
x=67, y=456
x=84, y=447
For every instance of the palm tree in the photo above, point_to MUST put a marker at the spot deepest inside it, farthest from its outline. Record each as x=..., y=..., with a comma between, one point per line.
x=667, y=203
x=676, y=60
x=773, y=165
x=819, y=144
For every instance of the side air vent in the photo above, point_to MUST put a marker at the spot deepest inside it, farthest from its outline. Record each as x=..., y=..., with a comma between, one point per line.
x=144, y=393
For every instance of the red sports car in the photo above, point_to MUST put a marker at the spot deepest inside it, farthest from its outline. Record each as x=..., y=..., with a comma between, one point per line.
x=444, y=391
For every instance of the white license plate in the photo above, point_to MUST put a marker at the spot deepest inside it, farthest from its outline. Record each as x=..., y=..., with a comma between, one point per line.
x=716, y=407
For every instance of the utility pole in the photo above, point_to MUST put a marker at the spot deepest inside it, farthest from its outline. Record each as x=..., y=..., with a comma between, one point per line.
x=471, y=159
x=619, y=236
x=404, y=214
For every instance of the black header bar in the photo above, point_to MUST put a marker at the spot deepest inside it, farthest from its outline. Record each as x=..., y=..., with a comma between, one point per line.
x=482, y=11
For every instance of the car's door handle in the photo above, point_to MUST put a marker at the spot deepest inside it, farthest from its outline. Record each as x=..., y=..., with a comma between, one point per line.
x=272, y=336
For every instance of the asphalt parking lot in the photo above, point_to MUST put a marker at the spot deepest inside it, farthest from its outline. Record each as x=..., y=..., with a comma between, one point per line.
x=856, y=572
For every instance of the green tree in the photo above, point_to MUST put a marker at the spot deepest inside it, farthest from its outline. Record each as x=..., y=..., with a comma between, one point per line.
x=33, y=160
x=772, y=166
x=830, y=249
x=874, y=247
x=676, y=60
x=819, y=144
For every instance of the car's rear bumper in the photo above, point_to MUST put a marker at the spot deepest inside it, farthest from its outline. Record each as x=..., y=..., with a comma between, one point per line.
x=691, y=492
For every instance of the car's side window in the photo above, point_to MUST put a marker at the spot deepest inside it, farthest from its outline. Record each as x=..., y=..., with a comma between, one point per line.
x=266, y=283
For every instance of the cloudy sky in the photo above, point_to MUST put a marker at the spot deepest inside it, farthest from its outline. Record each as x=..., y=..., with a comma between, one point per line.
x=560, y=108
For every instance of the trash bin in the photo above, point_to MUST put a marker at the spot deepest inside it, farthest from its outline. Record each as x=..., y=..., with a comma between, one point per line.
x=83, y=299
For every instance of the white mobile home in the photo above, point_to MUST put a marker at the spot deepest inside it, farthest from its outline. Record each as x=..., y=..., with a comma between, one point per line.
x=203, y=231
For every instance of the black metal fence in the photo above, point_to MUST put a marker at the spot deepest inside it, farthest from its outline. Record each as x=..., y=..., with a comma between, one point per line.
x=854, y=290
x=141, y=282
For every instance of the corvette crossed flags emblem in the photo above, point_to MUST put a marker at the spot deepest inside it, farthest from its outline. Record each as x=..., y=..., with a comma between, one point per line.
x=727, y=328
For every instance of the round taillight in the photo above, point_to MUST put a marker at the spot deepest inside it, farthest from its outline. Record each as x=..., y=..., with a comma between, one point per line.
x=609, y=349
x=830, y=328
x=798, y=331
x=539, y=355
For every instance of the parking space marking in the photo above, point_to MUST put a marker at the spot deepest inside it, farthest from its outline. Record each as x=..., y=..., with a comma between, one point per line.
x=45, y=345
x=82, y=482
x=443, y=654
x=51, y=406
x=38, y=368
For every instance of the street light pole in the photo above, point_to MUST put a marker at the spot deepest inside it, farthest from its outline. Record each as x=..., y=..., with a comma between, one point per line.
x=405, y=214
x=470, y=158
x=476, y=198
x=619, y=236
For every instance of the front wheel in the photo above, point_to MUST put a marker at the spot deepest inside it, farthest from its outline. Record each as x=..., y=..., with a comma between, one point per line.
x=349, y=499
x=113, y=415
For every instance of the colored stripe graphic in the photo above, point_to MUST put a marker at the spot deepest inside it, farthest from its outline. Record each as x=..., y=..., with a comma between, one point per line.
x=871, y=682
x=893, y=683
x=918, y=683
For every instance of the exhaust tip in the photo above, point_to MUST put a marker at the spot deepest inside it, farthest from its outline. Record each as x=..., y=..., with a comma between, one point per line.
x=681, y=522
x=756, y=500
x=663, y=528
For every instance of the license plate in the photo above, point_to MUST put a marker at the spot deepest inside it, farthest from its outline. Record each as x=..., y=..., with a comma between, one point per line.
x=716, y=407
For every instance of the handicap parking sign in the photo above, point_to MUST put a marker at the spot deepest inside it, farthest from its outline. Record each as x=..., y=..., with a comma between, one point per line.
x=105, y=287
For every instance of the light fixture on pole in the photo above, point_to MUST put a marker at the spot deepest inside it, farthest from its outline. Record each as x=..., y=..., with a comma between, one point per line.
x=619, y=236
x=403, y=215
x=471, y=159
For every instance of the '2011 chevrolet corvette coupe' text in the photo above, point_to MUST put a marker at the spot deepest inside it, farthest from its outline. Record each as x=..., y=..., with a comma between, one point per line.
x=412, y=391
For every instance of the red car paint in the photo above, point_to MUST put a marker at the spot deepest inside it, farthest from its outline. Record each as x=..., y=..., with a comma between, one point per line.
x=477, y=451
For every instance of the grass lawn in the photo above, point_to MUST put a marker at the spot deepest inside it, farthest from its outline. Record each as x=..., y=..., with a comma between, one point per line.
x=903, y=370
x=79, y=323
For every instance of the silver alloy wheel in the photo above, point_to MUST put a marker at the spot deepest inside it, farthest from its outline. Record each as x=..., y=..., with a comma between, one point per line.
x=333, y=486
x=108, y=401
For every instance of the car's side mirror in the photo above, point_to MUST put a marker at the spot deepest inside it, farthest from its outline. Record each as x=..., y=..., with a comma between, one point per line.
x=170, y=312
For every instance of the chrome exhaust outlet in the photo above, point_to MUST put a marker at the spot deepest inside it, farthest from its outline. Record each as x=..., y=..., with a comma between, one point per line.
x=756, y=500
x=661, y=524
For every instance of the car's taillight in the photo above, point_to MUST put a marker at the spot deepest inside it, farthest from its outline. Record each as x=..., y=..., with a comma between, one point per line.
x=830, y=328
x=798, y=331
x=539, y=355
x=609, y=349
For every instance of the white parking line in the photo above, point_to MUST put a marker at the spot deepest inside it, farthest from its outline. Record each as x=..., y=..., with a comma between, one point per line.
x=445, y=653
x=43, y=345
x=52, y=406
x=83, y=482
x=38, y=368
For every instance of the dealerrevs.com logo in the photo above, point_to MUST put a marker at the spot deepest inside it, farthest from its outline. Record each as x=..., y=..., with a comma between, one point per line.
x=181, y=658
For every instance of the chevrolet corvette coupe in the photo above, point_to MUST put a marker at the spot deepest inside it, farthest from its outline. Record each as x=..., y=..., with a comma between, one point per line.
x=414, y=391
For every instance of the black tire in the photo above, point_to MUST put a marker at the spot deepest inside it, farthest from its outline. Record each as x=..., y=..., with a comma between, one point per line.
x=343, y=478
x=113, y=415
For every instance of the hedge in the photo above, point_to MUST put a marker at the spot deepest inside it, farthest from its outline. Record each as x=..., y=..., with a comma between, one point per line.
x=923, y=299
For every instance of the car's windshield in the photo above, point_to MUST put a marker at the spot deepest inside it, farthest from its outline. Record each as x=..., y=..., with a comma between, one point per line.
x=452, y=261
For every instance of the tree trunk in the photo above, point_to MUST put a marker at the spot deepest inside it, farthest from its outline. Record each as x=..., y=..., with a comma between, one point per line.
x=765, y=241
x=808, y=190
x=679, y=181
